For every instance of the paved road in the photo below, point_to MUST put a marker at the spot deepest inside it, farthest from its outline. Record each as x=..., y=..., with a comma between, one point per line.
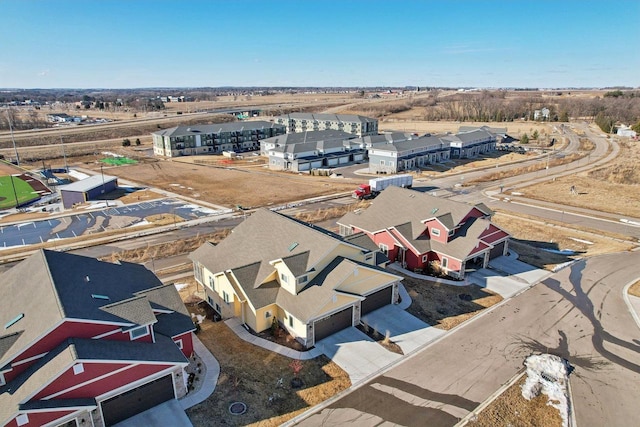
x=578, y=314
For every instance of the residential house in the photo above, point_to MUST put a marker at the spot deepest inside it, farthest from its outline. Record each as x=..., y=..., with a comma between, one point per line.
x=273, y=268
x=542, y=114
x=350, y=123
x=415, y=152
x=214, y=138
x=87, y=342
x=424, y=232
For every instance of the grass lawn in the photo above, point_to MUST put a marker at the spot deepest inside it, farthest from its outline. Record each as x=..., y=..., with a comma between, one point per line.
x=23, y=191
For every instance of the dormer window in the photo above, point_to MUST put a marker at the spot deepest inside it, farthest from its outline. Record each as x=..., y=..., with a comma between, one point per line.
x=138, y=332
x=435, y=232
x=303, y=279
x=284, y=278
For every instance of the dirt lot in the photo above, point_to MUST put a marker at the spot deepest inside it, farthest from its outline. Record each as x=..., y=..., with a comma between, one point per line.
x=228, y=186
x=511, y=409
x=635, y=289
x=614, y=188
x=531, y=234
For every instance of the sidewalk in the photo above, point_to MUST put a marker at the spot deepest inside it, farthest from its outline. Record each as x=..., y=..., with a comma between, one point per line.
x=210, y=378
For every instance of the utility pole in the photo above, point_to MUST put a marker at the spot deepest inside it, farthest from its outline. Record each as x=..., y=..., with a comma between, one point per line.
x=64, y=155
x=104, y=192
x=15, y=194
x=15, y=149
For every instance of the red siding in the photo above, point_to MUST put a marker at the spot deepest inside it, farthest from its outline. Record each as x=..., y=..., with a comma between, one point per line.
x=68, y=379
x=385, y=238
x=473, y=213
x=58, y=335
x=444, y=233
x=113, y=382
x=481, y=247
x=41, y=418
x=187, y=343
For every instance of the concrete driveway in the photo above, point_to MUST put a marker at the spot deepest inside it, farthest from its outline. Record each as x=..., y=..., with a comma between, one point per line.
x=404, y=329
x=169, y=413
x=356, y=353
x=507, y=276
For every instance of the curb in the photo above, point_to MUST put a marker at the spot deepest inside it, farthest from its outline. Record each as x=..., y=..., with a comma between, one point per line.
x=627, y=300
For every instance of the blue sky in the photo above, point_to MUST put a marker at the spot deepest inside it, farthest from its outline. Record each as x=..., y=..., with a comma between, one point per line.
x=157, y=43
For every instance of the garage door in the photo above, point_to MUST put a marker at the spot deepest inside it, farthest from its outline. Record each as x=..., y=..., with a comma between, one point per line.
x=334, y=323
x=376, y=300
x=138, y=400
x=496, y=251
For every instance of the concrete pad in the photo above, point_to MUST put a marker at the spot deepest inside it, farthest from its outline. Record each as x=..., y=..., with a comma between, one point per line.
x=505, y=286
x=404, y=329
x=356, y=353
x=169, y=413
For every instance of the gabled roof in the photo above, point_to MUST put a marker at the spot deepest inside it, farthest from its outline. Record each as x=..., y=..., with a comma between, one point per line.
x=475, y=135
x=87, y=184
x=74, y=350
x=263, y=237
x=396, y=206
x=328, y=117
x=412, y=144
x=71, y=286
x=309, y=136
x=216, y=128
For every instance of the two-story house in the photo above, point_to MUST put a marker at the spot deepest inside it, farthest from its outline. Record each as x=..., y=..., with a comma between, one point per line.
x=424, y=232
x=88, y=343
x=312, y=282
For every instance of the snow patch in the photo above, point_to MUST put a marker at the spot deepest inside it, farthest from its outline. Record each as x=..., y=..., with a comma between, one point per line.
x=560, y=252
x=180, y=286
x=198, y=318
x=549, y=374
x=109, y=153
x=77, y=175
x=586, y=242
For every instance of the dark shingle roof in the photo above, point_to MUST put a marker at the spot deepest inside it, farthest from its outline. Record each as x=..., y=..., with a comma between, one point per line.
x=310, y=136
x=216, y=128
x=329, y=117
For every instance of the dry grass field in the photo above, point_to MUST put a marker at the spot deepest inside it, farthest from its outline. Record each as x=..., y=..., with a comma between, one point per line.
x=511, y=409
x=532, y=235
x=613, y=188
x=635, y=289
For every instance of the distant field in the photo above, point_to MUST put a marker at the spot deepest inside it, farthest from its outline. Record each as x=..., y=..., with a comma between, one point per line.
x=23, y=192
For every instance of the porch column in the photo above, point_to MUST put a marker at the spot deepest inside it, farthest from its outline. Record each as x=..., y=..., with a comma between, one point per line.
x=505, y=250
x=485, y=263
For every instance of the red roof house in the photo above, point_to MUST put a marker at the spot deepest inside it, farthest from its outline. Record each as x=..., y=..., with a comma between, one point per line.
x=424, y=232
x=86, y=342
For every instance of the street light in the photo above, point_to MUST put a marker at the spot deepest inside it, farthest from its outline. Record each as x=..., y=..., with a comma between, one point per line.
x=15, y=194
x=15, y=149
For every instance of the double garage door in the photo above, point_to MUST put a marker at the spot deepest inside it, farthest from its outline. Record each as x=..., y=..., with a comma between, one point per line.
x=138, y=400
x=344, y=318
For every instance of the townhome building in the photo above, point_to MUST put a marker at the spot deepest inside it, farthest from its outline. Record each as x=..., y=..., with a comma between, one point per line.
x=428, y=233
x=310, y=281
x=87, y=342
x=471, y=144
x=414, y=152
x=350, y=123
x=214, y=138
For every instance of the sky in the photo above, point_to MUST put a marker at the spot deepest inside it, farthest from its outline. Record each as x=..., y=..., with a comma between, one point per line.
x=213, y=43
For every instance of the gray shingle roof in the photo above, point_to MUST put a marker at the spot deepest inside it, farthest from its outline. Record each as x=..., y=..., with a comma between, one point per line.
x=65, y=283
x=329, y=117
x=310, y=136
x=412, y=144
x=266, y=236
x=216, y=128
x=397, y=206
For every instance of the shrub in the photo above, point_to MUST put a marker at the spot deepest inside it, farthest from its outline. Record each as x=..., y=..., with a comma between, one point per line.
x=126, y=142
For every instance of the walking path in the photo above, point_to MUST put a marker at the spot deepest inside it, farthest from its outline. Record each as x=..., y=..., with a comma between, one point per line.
x=208, y=384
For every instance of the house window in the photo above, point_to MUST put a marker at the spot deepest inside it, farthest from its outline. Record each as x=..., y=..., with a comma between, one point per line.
x=212, y=283
x=384, y=249
x=283, y=278
x=368, y=257
x=267, y=314
x=302, y=279
x=291, y=321
x=2, y=380
x=218, y=308
x=435, y=232
x=22, y=419
x=179, y=344
x=225, y=297
x=445, y=262
x=424, y=258
x=136, y=333
x=78, y=369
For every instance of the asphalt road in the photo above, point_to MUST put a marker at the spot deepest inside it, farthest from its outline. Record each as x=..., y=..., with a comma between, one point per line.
x=577, y=313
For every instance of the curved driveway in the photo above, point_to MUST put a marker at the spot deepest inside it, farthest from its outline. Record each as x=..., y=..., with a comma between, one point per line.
x=578, y=313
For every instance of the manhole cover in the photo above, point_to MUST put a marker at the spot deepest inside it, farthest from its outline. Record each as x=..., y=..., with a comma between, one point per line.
x=237, y=408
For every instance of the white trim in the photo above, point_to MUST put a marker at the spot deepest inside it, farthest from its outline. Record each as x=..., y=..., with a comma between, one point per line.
x=93, y=380
x=2, y=381
x=158, y=310
x=180, y=344
x=142, y=381
x=29, y=359
x=106, y=334
x=98, y=322
x=146, y=332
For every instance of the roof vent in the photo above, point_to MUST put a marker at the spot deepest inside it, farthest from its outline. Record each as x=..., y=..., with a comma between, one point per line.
x=434, y=210
x=87, y=279
x=293, y=246
x=98, y=296
x=13, y=321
